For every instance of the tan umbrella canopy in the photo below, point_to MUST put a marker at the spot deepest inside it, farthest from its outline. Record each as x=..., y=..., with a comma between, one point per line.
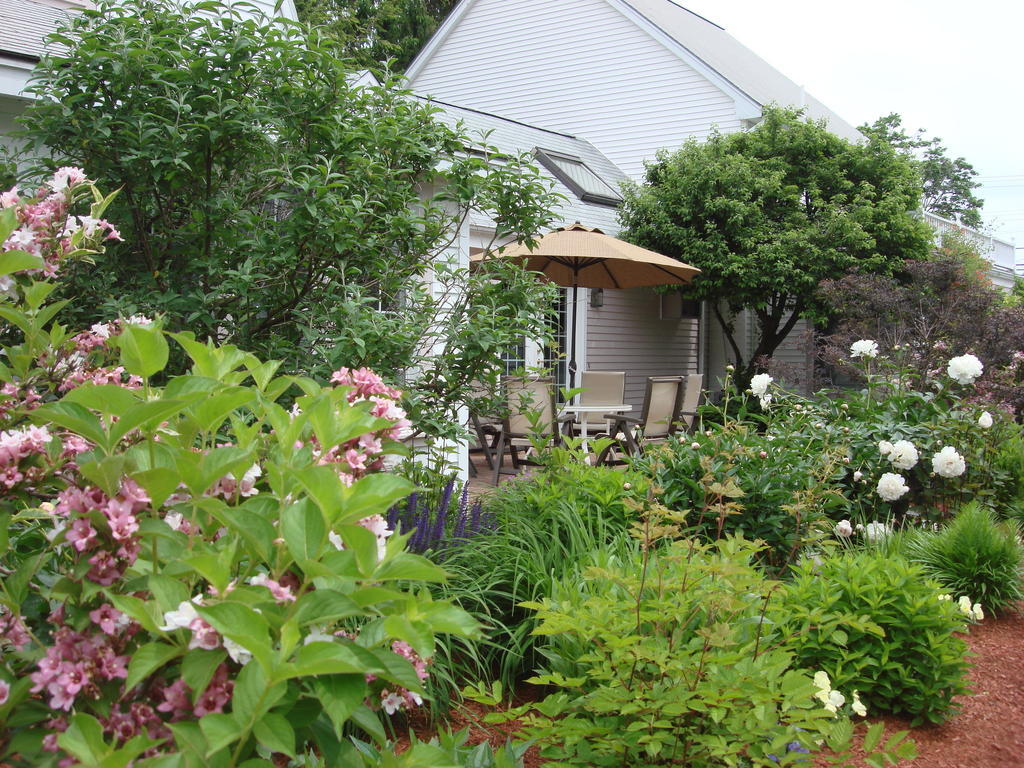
x=580, y=256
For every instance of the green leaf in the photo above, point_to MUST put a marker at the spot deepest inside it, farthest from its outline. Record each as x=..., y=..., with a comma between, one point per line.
x=147, y=659
x=362, y=543
x=276, y=734
x=372, y=495
x=219, y=730
x=325, y=487
x=333, y=659
x=169, y=593
x=105, y=398
x=873, y=736
x=159, y=483
x=322, y=606
x=77, y=418
x=243, y=625
x=340, y=696
x=198, y=667
x=144, y=351
x=407, y=566
x=153, y=412
x=84, y=739
x=106, y=472
x=211, y=412
x=415, y=634
x=253, y=696
x=17, y=261
x=304, y=530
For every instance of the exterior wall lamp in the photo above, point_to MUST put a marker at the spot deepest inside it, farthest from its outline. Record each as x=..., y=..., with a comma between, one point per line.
x=596, y=297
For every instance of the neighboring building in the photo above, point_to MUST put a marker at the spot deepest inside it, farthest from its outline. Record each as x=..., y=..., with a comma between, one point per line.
x=999, y=253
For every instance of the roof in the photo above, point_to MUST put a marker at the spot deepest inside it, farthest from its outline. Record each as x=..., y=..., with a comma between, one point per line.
x=513, y=137
x=735, y=62
x=25, y=24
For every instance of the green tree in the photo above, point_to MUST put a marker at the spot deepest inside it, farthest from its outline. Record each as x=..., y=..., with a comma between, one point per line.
x=374, y=32
x=948, y=183
x=274, y=203
x=768, y=213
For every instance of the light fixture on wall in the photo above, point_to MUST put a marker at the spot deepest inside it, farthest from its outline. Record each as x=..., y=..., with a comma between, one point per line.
x=596, y=297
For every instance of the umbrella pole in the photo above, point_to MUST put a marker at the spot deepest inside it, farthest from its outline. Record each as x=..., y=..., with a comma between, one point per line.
x=572, y=340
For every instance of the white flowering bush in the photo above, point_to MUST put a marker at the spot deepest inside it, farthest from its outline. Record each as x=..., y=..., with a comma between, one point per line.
x=194, y=572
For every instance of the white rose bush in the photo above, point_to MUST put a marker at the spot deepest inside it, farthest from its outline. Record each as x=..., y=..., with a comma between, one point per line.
x=174, y=592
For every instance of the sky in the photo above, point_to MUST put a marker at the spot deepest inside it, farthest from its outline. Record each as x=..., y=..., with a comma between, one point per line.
x=952, y=67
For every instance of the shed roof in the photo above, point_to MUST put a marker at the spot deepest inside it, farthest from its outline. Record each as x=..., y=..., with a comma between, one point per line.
x=513, y=137
x=735, y=62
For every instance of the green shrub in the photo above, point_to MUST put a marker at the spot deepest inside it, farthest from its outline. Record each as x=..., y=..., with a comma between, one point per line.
x=675, y=667
x=737, y=480
x=876, y=624
x=975, y=556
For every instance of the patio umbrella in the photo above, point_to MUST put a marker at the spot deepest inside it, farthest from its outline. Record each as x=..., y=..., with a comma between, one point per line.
x=580, y=256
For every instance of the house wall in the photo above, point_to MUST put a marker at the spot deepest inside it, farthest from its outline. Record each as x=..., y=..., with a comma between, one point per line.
x=628, y=334
x=586, y=69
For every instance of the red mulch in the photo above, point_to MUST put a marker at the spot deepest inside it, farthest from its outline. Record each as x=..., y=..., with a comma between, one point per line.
x=987, y=733
x=989, y=730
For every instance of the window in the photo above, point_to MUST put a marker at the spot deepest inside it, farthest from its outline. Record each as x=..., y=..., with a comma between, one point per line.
x=575, y=174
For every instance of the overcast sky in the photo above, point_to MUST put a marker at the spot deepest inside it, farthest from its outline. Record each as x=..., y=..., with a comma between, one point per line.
x=952, y=67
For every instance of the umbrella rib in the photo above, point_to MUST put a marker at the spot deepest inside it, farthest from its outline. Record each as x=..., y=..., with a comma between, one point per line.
x=615, y=282
x=666, y=271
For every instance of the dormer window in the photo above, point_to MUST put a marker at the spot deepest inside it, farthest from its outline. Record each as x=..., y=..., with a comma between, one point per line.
x=578, y=177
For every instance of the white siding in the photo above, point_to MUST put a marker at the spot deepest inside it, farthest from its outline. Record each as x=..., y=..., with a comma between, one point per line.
x=793, y=361
x=627, y=334
x=578, y=66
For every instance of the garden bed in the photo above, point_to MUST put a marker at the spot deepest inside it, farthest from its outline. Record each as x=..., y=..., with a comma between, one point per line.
x=985, y=734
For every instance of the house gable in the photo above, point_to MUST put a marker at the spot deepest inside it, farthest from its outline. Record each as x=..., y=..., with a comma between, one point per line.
x=633, y=76
x=592, y=68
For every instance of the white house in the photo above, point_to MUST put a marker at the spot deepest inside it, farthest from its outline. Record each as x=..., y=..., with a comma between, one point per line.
x=632, y=76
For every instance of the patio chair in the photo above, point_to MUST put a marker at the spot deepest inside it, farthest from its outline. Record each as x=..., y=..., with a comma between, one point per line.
x=662, y=416
x=600, y=388
x=531, y=412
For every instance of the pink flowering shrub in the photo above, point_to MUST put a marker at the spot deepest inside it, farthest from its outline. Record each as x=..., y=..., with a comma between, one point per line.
x=193, y=572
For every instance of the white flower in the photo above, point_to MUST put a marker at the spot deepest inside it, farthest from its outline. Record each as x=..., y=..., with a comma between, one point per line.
x=759, y=384
x=857, y=706
x=857, y=476
x=834, y=701
x=237, y=653
x=976, y=613
x=844, y=529
x=965, y=369
x=985, y=420
x=695, y=446
x=948, y=463
x=390, y=702
x=945, y=597
x=964, y=604
x=181, y=618
x=335, y=539
x=903, y=454
x=875, y=531
x=891, y=486
x=864, y=348
x=821, y=681
x=765, y=400
x=174, y=520
x=884, y=447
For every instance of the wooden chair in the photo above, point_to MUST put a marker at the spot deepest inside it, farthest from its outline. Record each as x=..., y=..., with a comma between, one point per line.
x=531, y=412
x=662, y=416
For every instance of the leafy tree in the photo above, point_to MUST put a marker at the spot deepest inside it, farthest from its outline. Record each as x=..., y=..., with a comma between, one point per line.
x=373, y=32
x=273, y=203
x=768, y=213
x=948, y=182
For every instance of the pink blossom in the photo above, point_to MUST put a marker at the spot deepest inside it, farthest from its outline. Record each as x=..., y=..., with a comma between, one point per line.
x=66, y=177
x=5, y=692
x=9, y=198
x=13, y=631
x=177, y=700
x=203, y=635
x=81, y=534
x=109, y=619
x=279, y=592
